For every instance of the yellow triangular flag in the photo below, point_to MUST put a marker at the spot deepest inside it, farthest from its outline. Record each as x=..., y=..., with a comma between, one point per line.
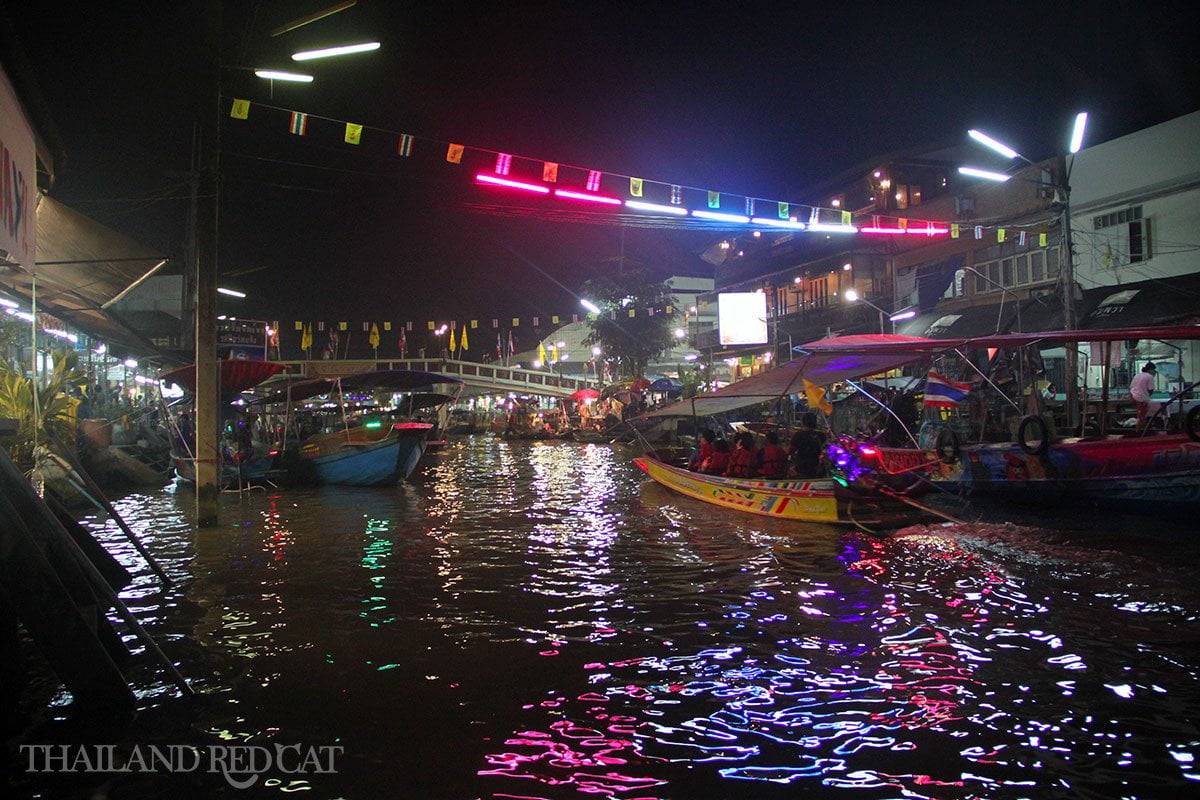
x=1041, y=240
x=454, y=153
x=353, y=133
x=453, y=341
x=848, y=218
x=374, y=338
x=1000, y=235
x=953, y=230
x=816, y=397
x=463, y=343
x=542, y=354
x=635, y=187
x=240, y=110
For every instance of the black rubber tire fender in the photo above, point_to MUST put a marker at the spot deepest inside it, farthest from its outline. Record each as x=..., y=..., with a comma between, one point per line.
x=946, y=445
x=1191, y=423
x=1040, y=432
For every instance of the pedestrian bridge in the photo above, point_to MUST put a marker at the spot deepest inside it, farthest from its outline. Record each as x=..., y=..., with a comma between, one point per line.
x=479, y=378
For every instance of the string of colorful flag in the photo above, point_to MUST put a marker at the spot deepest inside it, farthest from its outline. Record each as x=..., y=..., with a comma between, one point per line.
x=456, y=333
x=663, y=200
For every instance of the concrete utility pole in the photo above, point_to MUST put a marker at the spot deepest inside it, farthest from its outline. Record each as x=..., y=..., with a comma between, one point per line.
x=207, y=466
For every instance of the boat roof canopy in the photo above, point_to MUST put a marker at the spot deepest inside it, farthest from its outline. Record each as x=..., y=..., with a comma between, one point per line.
x=842, y=358
x=395, y=380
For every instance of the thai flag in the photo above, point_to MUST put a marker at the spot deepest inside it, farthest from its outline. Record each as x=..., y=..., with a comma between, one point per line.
x=943, y=392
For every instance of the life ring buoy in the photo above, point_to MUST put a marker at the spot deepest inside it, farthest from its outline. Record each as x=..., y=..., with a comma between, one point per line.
x=1191, y=423
x=1040, y=439
x=946, y=444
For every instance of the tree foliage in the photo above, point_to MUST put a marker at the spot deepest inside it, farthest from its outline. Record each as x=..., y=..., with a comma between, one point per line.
x=55, y=405
x=630, y=343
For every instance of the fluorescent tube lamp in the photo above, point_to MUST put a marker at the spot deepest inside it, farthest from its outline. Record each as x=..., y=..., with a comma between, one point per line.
x=275, y=75
x=903, y=315
x=589, y=198
x=25, y=315
x=778, y=223
x=719, y=217
x=525, y=187
x=590, y=306
x=340, y=50
x=1077, y=132
x=991, y=143
x=825, y=227
x=655, y=208
x=7, y=303
x=231, y=292
x=986, y=174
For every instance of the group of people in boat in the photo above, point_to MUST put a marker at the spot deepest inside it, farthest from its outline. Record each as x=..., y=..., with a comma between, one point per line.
x=744, y=458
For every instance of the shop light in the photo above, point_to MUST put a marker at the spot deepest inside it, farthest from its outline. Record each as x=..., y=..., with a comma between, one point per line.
x=826, y=227
x=231, y=292
x=589, y=305
x=989, y=142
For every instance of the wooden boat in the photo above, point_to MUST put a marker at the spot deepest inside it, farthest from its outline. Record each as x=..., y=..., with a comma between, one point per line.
x=798, y=500
x=248, y=466
x=382, y=450
x=364, y=456
x=1137, y=472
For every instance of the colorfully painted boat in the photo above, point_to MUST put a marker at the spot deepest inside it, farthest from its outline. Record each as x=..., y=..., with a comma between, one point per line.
x=1146, y=472
x=363, y=456
x=797, y=500
x=376, y=449
x=1139, y=472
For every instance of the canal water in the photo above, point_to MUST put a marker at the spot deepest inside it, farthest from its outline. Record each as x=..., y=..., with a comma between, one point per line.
x=534, y=620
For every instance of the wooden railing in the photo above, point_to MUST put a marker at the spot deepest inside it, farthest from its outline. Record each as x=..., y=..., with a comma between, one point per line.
x=476, y=375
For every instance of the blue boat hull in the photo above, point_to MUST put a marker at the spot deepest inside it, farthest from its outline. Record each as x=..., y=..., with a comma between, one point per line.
x=378, y=464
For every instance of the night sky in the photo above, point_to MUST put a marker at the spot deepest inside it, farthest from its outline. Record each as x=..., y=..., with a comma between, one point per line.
x=757, y=99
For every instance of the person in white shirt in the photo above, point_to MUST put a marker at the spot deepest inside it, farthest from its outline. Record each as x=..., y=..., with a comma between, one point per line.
x=1140, y=389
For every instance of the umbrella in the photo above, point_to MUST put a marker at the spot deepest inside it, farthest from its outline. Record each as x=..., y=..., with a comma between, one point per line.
x=667, y=385
x=585, y=394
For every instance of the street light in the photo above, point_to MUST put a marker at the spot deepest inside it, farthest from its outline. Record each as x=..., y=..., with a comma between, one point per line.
x=1062, y=193
x=852, y=296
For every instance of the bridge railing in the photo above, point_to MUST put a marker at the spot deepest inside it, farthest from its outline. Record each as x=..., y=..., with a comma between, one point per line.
x=491, y=376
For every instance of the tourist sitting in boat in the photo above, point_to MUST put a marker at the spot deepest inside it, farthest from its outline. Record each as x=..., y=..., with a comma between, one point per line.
x=707, y=438
x=745, y=459
x=718, y=462
x=774, y=458
x=806, y=448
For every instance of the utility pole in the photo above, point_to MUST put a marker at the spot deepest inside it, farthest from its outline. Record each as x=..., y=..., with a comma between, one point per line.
x=205, y=264
x=1070, y=322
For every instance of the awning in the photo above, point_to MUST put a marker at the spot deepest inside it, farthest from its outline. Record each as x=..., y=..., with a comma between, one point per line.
x=82, y=266
x=1163, y=301
x=236, y=376
x=854, y=357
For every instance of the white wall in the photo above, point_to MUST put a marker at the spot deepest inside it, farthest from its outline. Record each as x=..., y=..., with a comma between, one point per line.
x=1157, y=168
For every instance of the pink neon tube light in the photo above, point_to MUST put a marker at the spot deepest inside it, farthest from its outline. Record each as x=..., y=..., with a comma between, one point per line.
x=590, y=198
x=511, y=184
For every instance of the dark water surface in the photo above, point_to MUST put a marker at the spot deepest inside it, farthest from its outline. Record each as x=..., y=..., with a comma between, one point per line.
x=532, y=620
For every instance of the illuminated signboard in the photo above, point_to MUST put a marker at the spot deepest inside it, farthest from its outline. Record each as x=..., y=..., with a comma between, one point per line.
x=742, y=317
